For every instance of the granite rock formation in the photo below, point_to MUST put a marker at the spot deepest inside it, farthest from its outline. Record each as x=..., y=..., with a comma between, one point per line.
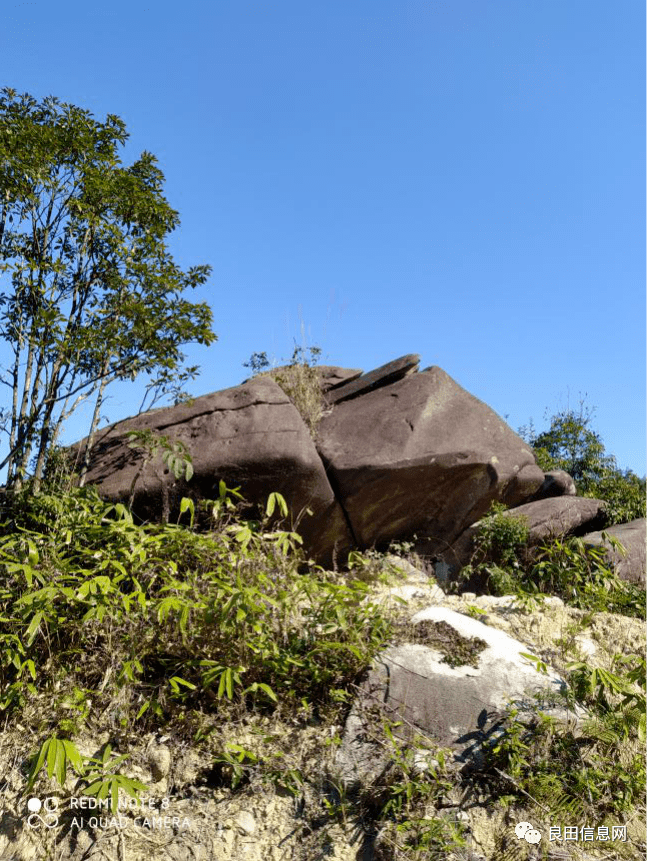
x=399, y=453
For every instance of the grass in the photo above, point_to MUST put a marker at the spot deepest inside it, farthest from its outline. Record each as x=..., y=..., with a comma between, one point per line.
x=299, y=380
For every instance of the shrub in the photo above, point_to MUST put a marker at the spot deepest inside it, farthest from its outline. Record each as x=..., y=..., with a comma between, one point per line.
x=592, y=773
x=581, y=575
x=162, y=621
x=570, y=444
x=498, y=551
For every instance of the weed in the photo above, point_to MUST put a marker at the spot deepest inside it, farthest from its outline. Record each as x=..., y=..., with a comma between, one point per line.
x=409, y=822
x=105, y=783
x=499, y=545
x=594, y=772
x=58, y=754
x=162, y=620
x=579, y=574
x=501, y=538
x=582, y=576
x=299, y=379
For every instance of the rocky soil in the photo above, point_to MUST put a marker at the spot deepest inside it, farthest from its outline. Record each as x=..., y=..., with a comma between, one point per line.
x=190, y=813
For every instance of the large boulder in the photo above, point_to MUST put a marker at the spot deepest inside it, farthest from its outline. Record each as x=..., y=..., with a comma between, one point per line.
x=333, y=377
x=545, y=519
x=559, y=516
x=630, y=564
x=556, y=483
x=250, y=436
x=422, y=456
x=398, y=454
x=452, y=680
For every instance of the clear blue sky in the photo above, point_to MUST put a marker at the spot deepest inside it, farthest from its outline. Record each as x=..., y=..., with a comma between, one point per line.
x=461, y=179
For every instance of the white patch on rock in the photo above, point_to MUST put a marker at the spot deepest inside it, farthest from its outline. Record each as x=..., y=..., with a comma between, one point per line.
x=500, y=661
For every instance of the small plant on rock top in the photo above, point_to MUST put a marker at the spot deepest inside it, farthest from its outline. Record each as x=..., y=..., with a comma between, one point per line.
x=299, y=379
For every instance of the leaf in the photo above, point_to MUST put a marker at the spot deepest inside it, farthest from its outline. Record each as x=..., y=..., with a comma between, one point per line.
x=98, y=789
x=243, y=535
x=143, y=709
x=33, y=556
x=186, y=504
x=336, y=645
x=177, y=682
x=42, y=754
x=222, y=683
x=264, y=688
x=33, y=627
x=51, y=756
x=73, y=755
x=276, y=500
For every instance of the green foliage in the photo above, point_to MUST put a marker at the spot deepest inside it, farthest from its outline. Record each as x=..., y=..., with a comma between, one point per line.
x=501, y=538
x=570, y=444
x=90, y=293
x=99, y=773
x=498, y=550
x=583, y=577
x=175, y=457
x=579, y=574
x=234, y=765
x=175, y=454
x=594, y=772
x=624, y=494
x=168, y=621
x=408, y=800
x=55, y=754
x=104, y=782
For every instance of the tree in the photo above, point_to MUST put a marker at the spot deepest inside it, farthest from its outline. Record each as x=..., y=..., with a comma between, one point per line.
x=89, y=291
x=570, y=444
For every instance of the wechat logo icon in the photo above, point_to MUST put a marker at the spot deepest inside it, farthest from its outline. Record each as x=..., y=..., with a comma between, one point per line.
x=524, y=830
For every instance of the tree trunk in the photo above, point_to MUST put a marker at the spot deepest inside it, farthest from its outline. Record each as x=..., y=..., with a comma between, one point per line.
x=94, y=424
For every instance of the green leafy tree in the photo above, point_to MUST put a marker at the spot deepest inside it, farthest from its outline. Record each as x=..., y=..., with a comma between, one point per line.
x=89, y=292
x=572, y=445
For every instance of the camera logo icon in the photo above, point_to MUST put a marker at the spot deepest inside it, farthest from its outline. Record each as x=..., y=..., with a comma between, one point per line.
x=48, y=806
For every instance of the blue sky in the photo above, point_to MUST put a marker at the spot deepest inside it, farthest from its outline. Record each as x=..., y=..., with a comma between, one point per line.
x=464, y=180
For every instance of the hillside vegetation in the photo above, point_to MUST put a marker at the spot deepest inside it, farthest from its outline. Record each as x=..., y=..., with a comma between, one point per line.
x=113, y=630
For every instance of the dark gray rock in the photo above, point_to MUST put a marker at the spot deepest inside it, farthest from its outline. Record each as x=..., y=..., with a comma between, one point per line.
x=556, y=483
x=456, y=705
x=630, y=566
x=250, y=436
x=422, y=456
x=560, y=516
x=398, y=454
x=333, y=377
x=387, y=374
